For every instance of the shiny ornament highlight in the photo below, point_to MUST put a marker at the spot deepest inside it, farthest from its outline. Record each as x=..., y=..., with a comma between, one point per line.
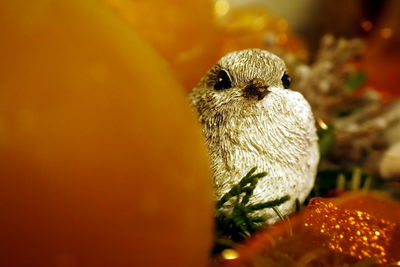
x=352, y=232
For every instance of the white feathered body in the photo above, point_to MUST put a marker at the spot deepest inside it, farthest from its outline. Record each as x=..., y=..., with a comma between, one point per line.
x=287, y=151
x=277, y=134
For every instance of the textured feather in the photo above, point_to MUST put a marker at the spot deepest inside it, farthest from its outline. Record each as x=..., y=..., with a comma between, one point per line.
x=276, y=133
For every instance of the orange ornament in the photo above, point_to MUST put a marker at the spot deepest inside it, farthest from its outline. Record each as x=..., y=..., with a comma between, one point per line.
x=182, y=31
x=101, y=162
x=351, y=232
x=330, y=232
x=382, y=59
x=253, y=26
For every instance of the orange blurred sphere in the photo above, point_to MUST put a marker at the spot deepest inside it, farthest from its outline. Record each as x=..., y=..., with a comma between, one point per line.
x=181, y=30
x=101, y=161
x=253, y=26
x=192, y=35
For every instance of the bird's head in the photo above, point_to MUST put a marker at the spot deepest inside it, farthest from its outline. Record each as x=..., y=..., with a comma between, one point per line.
x=239, y=79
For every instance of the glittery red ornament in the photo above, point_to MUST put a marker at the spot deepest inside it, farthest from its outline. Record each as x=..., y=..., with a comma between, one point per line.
x=355, y=227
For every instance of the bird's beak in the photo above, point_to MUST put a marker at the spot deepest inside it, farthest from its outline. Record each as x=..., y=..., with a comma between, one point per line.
x=256, y=89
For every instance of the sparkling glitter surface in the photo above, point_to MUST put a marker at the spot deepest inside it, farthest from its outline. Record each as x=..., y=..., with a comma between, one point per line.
x=351, y=232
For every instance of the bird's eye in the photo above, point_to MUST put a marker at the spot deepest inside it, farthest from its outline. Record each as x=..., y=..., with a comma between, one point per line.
x=286, y=80
x=223, y=81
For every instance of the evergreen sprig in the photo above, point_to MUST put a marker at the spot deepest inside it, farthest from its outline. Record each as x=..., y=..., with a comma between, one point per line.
x=235, y=219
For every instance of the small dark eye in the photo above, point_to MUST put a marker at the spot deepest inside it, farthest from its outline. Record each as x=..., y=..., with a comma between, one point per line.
x=286, y=80
x=223, y=81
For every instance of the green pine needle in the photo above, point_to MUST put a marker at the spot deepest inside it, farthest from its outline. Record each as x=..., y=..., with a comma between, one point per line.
x=234, y=220
x=269, y=204
x=356, y=81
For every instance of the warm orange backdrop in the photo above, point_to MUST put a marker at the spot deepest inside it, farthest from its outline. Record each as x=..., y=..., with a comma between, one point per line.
x=182, y=31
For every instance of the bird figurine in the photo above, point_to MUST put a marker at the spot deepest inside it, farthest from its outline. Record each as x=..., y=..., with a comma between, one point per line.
x=250, y=118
